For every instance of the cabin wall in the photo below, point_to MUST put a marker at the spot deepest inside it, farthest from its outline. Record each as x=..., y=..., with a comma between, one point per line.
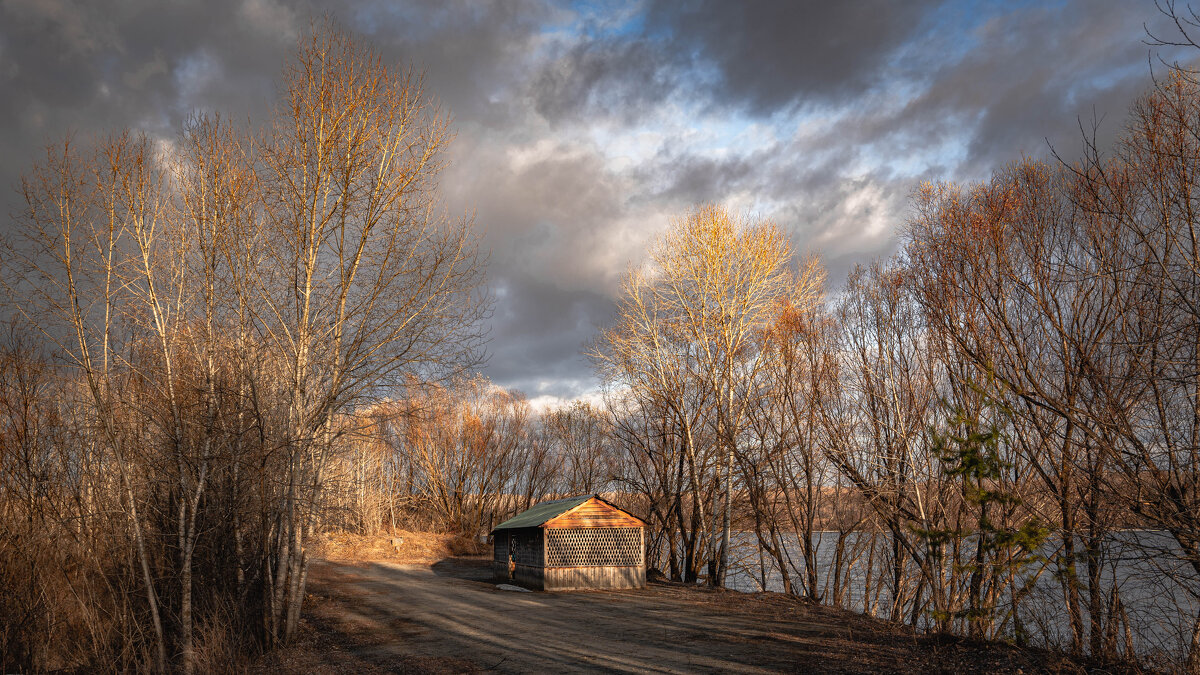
x=527, y=550
x=582, y=578
x=532, y=578
x=500, y=547
x=500, y=556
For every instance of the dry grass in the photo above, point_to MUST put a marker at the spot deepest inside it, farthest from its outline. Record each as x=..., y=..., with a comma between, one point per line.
x=417, y=548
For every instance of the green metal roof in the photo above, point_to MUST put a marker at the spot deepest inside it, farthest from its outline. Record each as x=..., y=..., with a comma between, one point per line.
x=540, y=513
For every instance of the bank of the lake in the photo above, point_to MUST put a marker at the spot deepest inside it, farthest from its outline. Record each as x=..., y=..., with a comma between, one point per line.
x=1155, y=587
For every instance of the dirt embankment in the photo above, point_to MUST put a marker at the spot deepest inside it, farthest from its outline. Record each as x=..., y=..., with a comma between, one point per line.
x=379, y=616
x=404, y=547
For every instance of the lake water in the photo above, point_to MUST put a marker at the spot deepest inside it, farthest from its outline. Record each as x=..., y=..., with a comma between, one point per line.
x=1140, y=564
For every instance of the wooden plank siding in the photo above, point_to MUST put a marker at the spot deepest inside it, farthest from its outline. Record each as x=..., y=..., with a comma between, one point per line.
x=582, y=578
x=593, y=513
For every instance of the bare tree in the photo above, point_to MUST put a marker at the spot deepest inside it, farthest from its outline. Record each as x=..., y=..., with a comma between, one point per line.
x=690, y=321
x=1143, y=239
x=227, y=301
x=800, y=377
x=361, y=277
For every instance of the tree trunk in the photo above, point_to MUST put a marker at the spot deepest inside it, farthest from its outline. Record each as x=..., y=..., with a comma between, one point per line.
x=723, y=567
x=1193, y=657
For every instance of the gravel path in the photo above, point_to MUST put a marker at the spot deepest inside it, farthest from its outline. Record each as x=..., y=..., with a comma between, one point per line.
x=450, y=618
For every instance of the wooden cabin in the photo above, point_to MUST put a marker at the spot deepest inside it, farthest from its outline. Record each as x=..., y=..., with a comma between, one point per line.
x=570, y=544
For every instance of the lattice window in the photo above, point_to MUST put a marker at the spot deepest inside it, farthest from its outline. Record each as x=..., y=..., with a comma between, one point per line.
x=602, y=546
x=500, y=547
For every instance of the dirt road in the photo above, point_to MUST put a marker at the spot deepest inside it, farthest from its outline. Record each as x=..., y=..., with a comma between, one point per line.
x=386, y=617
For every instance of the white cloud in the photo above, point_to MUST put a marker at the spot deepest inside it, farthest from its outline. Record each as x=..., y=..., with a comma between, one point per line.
x=269, y=18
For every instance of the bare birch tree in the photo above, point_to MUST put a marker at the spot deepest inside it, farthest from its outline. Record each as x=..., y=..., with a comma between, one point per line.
x=691, y=321
x=362, y=277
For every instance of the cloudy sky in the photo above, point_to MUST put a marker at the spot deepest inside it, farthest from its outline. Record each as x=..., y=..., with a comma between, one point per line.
x=583, y=127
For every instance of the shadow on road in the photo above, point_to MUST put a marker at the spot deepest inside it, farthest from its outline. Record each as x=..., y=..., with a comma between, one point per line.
x=450, y=617
x=467, y=569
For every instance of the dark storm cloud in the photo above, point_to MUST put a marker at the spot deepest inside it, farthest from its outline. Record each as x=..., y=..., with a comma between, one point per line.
x=582, y=132
x=93, y=68
x=541, y=334
x=471, y=52
x=771, y=54
x=609, y=77
x=1033, y=75
x=689, y=179
x=546, y=217
x=546, y=210
x=758, y=56
x=88, y=68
